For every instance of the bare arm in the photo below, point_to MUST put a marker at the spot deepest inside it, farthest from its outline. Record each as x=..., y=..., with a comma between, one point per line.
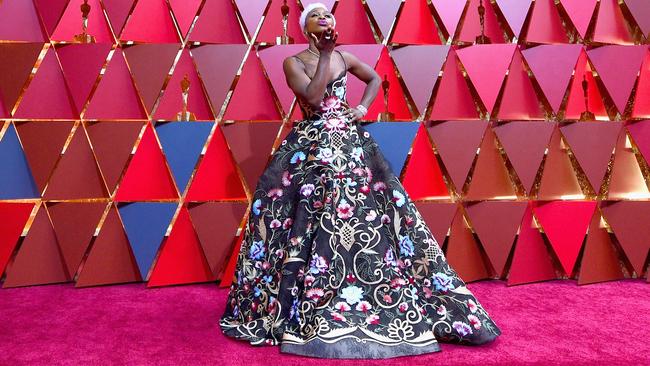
x=310, y=90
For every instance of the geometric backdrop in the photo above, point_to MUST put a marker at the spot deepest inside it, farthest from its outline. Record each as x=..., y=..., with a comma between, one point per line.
x=528, y=156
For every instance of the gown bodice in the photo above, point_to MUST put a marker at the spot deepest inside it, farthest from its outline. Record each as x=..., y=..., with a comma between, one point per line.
x=334, y=100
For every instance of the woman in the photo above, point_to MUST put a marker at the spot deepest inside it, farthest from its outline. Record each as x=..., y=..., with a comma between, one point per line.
x=336, y=260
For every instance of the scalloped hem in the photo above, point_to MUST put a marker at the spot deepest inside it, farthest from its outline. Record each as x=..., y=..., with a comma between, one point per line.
x=356, y=348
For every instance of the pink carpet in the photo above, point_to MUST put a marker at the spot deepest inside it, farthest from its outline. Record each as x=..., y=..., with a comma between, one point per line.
x=554, y=322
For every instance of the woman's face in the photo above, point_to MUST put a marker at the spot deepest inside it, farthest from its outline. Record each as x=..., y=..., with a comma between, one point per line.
x=318, y=20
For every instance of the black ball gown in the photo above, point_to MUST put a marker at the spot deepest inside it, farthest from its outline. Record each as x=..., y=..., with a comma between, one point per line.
x=336, y=261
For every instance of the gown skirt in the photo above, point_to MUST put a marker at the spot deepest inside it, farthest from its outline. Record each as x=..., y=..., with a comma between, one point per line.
x=336, y=261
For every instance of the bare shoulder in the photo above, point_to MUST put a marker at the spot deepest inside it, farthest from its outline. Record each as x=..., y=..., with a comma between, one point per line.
x=290, y=63
x=289, y=60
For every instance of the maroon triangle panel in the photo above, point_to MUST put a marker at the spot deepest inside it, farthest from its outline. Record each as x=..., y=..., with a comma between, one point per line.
x=217, y=236
x=39, y=259
x=110, y=259
x=74, y=225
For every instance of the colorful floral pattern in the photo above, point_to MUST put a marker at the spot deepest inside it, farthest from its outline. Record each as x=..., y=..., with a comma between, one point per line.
x=336, y=260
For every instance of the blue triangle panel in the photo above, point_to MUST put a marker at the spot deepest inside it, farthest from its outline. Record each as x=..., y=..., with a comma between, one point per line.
x=16, y=180
x=145, y=224
x=182, y=143
x=394, y=140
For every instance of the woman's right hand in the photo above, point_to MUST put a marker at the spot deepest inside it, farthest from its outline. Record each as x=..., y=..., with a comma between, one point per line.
x=323, y=44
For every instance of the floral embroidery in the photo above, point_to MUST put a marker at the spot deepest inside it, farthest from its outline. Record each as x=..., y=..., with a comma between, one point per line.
x=297, y=157
x=344, y=209
x=256, y=206
x=333, y=245
x=352, y=294
x=318, y=264
x=462, y=328
x=306, y=189
x=257, y=249
x=442, y=282
x=406, y=245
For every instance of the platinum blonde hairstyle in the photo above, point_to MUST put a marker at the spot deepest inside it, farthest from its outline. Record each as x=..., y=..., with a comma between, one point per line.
x=308, y=8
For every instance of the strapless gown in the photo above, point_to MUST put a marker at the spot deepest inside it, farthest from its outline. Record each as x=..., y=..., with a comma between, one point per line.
x=336, y=261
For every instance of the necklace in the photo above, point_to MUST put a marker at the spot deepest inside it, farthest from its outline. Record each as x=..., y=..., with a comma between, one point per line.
x=309, y=49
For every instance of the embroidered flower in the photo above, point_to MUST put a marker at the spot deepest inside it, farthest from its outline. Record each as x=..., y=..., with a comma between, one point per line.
x=296, y=240
x=275, y=193
x=342, y=306
x=318, y=264
x=309, y=280
x=357, y=153
x=256, y=250
x=335, y=124
x=330, y=103
x=398, y=198
x=256, y=206
x=286, y=178
x=472, y=306
x=474, y=321
x=379, y=186
x=363, y=306
x=442, y=282
x=389, y=258
x=298, y=156
x=388, y=299
x=371, y=215
x=406, y=245
x=344, y=210
x=359, y=171
x=403, y=307
x=366, y=134
x=462, y=328
x=372, y=319
x=352, y=294
x=314, y=293
x=397, y=282
x=275, y=223
x=442, y=310
x=385, y=219
x=287, y=223
x=336, y=316
x=307, y=189
x=340, y=92
x=325, y=154
x=400, y=329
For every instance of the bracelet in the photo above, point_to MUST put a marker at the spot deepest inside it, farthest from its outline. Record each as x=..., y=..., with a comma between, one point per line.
x=362, y=109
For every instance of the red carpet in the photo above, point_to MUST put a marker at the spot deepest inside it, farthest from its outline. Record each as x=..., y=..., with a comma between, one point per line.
x=549, y=323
